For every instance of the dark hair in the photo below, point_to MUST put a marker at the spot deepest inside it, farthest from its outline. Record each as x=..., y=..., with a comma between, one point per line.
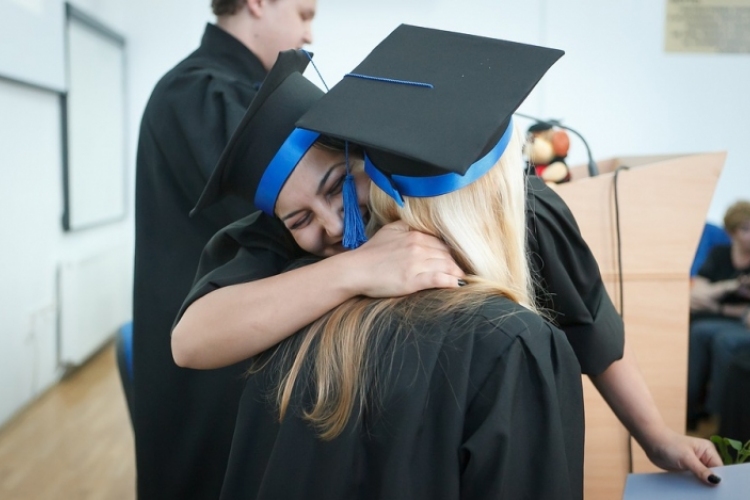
x=226, y=7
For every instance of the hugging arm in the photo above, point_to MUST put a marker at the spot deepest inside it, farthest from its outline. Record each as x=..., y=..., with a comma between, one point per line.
x=233, y=323
x=705, y=296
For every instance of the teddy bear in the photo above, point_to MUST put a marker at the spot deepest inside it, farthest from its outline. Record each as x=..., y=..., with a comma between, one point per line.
x=546, y=149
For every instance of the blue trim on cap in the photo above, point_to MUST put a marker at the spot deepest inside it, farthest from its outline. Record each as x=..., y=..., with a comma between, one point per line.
x=390, y=80
x=397, y=186
x=281, y=166
x=382, y=181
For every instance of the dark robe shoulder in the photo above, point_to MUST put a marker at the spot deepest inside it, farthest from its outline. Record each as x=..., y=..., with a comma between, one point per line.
x=473, y=405
x=568, y=282
x=190, y=116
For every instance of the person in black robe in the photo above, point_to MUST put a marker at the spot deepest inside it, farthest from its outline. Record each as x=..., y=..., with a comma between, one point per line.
x=569, y=288
x=183, y=419
x=472, y=405
x=444, y=394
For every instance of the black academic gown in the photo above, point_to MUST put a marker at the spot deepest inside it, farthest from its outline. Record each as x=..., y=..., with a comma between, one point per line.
x=183, y=419
x=569, y=285
x=475, y=405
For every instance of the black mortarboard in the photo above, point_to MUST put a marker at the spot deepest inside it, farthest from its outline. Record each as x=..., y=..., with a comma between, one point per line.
x=266, y=146
x=431, y=108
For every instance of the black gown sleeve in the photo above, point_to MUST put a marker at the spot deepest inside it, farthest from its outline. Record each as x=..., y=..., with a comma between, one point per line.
x=253, y=248
x=568, y=282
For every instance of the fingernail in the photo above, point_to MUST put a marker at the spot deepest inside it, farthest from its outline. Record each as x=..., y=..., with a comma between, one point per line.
x=461, y=282
x=714, y=479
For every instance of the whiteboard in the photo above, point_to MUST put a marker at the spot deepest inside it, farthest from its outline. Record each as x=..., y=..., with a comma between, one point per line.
x=94, y=164
x=32, y=42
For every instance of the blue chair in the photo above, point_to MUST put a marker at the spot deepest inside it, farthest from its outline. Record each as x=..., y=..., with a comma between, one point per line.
x=124, y=351
x=712, y=235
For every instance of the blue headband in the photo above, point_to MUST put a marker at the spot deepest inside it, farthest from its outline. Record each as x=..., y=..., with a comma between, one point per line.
x=281, y=166
x=397, y=186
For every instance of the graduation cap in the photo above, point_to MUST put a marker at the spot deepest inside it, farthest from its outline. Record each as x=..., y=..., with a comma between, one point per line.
x=432, y=109
x=266, y=146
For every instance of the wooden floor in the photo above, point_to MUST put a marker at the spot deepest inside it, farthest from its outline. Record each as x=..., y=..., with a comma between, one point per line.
x=75, y=442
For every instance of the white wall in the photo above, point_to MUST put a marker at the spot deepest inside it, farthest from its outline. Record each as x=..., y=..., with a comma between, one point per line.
x=618, y=87
x=345, y=31
x=615, y=85
x=30, y=211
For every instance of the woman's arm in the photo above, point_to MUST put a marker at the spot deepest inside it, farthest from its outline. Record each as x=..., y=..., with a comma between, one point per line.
x=705, y=295
x=623, y=387
x=571, y=277
x=236, y=322
x=738, y=310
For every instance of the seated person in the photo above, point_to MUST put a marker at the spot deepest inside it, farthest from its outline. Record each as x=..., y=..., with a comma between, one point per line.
x=443, y=394
x=719, y=314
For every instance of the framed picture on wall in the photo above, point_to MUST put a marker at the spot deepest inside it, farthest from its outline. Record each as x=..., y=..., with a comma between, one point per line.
x=94, y=124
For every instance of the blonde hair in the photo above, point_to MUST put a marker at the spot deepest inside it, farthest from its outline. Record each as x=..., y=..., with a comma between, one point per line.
x=484, y=226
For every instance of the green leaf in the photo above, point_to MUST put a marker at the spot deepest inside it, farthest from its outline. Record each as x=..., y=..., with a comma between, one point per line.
x=734, y=444
x=744, y=453
x=721, y=445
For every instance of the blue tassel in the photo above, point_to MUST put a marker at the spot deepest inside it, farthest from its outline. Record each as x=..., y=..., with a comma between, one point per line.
x=354, y=226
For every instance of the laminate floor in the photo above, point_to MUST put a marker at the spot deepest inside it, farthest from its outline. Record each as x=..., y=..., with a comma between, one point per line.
x=74, y=443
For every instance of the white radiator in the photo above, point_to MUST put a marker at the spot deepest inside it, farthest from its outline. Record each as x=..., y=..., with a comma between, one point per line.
x=95, y=300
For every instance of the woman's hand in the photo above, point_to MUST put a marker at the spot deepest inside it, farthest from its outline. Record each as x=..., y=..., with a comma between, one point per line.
x=705, y=296
x=397, y=261
x=676, y=452
x=623, y=387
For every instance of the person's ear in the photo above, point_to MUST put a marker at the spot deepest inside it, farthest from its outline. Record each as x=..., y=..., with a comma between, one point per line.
x=256, y=7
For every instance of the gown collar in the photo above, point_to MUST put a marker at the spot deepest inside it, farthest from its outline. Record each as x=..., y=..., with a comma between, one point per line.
x=231, y=52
